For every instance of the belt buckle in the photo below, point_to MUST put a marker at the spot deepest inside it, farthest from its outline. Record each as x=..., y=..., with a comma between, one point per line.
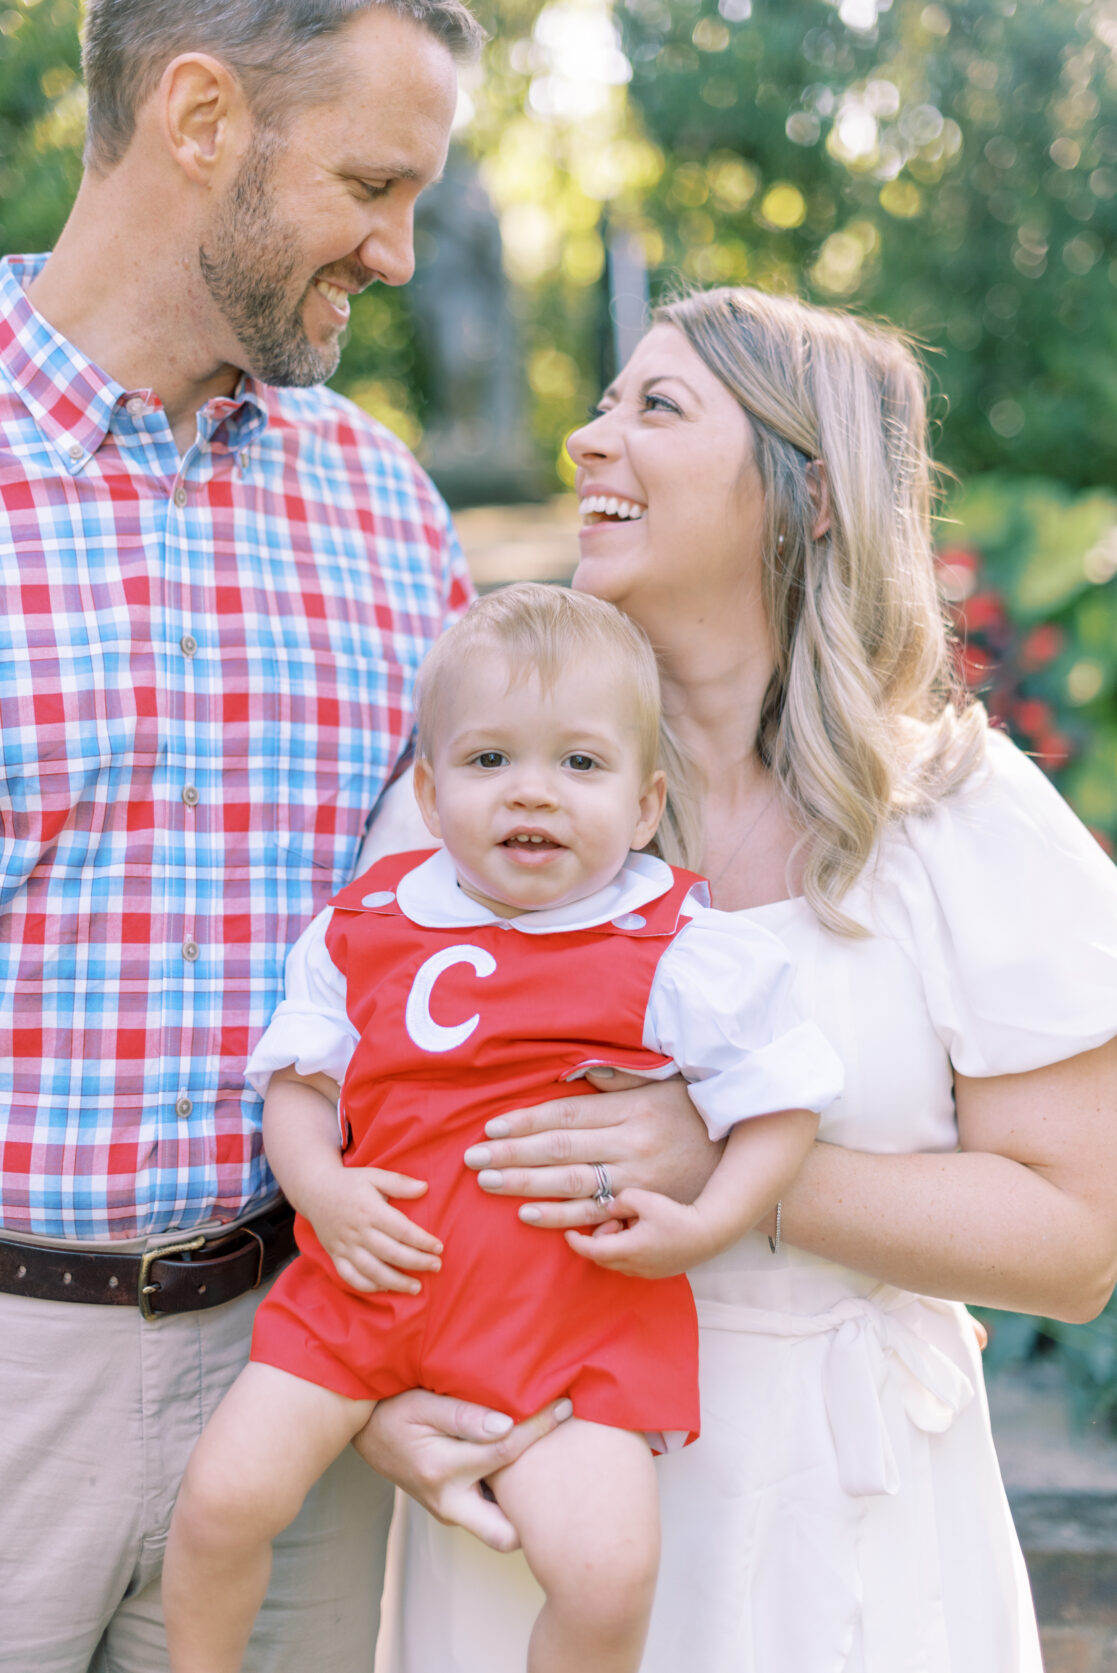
x=147, y=1262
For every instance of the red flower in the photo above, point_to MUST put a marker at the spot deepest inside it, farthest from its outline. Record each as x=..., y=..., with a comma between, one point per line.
x=982, y=612
x=1041, y=646
x=1053, y=751
x=1032, y=717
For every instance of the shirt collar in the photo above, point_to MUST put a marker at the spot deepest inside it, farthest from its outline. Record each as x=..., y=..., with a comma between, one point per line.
x=430, y=896
x=71, y=400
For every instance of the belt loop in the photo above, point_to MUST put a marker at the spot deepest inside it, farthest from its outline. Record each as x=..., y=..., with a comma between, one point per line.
x=148, y=1261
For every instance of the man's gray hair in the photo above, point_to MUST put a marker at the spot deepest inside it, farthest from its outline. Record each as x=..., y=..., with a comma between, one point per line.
x=276, y=48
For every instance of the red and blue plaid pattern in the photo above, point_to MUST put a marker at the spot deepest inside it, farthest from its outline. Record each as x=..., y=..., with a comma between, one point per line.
x=206, y=668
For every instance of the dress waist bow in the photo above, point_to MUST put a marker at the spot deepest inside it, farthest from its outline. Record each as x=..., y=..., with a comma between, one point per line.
x=871, y=1346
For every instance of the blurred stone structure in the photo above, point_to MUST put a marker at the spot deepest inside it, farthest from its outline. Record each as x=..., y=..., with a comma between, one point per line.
x=477, y=443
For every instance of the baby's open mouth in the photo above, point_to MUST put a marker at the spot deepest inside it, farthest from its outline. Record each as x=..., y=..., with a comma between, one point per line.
x=525, y=839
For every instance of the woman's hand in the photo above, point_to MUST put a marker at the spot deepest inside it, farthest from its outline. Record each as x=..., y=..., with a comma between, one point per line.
x=647, y=1133
x=441, y=1451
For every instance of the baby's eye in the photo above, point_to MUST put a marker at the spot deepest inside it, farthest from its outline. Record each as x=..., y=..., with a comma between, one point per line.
x=490, y=758
x=581, y=763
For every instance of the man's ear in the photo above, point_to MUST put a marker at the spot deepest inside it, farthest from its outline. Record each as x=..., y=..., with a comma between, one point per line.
x=653, y=800
x=423, y=782
x=819, y=485
x=205, y=114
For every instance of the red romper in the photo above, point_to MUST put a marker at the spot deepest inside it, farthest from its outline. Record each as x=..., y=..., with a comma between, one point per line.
x=458, y=1025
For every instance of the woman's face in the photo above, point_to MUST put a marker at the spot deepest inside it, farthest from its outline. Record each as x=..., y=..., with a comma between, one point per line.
x=670, y=494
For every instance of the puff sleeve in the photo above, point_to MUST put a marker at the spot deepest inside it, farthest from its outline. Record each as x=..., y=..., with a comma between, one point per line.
x=1008, y=906
x=310, y=1029
x=721, y=1007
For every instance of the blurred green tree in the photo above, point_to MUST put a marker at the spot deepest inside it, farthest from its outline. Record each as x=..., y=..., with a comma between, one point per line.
x=950, y=165
x=42, y=120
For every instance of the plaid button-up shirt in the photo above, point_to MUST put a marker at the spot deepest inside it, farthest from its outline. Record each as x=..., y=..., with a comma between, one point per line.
x=206, y=667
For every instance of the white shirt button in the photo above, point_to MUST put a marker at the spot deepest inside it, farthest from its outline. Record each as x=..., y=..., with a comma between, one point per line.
x=76, y=452
x=183, y=1106
x=188, y=644
x=190, y=795
x=180, y=496
x=136, y=405
x=190, y=949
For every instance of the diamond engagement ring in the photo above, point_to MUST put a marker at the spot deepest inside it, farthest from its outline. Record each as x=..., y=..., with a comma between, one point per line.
x=603, y=1196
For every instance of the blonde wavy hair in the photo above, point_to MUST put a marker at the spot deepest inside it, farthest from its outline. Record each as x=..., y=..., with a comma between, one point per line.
x=864, y=720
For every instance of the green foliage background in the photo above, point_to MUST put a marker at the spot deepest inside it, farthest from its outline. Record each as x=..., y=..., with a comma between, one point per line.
x=951, y=165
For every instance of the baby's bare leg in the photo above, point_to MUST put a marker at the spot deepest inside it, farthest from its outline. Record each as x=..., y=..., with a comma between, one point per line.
x=584, y=1502
x=263, y=1449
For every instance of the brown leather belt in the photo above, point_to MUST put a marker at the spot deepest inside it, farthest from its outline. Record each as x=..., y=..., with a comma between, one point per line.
x=200, y=1272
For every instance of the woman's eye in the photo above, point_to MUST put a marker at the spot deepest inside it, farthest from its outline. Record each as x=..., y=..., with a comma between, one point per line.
x=659, y=403
x=581, y=763
x=490, y=758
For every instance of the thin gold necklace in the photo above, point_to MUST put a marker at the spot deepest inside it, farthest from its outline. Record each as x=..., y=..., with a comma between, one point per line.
x=743, y=838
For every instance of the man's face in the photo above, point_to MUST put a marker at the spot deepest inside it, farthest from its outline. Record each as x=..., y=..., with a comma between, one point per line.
x=322, y=210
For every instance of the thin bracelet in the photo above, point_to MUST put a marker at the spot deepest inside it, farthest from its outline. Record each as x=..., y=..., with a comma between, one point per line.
x=774, y=1242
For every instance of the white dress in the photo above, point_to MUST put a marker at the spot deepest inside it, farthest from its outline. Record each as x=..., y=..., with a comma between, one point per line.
x=843, y=1511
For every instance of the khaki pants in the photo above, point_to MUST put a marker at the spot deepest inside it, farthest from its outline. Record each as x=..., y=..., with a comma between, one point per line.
x=98, y=1413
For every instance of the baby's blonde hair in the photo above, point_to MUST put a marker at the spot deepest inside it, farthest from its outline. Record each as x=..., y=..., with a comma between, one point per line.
x=864, y=720
x=539, y=630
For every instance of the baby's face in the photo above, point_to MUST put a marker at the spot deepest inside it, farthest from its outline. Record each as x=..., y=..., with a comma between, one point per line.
x=538, y=795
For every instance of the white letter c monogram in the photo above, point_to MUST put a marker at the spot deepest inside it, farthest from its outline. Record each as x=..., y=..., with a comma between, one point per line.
x=427, y=1034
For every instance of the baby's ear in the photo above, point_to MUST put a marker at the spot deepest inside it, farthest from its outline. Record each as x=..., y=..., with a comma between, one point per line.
x=423, y=783
x=653, y=800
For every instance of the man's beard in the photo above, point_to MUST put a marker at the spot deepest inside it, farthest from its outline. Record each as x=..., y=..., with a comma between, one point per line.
x=248, y=269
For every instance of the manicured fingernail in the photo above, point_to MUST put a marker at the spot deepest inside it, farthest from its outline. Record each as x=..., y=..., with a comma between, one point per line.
x=490, y=1180
x=495, y=1423
x=497, y=1128
x=564, y=1409
x=531, y=1214
x=478, y=1156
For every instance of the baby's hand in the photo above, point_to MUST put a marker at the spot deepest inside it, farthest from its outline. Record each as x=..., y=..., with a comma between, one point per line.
x=366, y=1238
x=657, y=1238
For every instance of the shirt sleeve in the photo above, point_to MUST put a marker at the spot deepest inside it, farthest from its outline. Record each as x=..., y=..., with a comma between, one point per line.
x=721, y=1007
x=310, y=1030
x=1008, y=908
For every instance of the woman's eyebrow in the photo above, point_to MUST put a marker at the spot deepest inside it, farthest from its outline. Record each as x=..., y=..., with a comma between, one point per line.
x=668, y=377
x=649, y=383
